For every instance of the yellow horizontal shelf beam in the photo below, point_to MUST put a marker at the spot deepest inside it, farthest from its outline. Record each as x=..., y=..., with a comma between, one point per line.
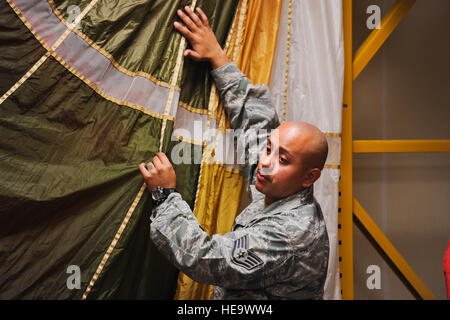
x=391, y=252
x=378, y=36
x=375, y=146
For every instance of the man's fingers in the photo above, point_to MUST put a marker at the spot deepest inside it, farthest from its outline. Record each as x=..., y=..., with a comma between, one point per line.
x=194, y=17
x=187, y=20
x=163, y=158
x=151, y=168
x=156, y=162
x=192, y=54
x=203, y=16
x=183, y=30
x=144, y=170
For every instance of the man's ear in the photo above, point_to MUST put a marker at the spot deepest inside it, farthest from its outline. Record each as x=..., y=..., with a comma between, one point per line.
x=311, y=177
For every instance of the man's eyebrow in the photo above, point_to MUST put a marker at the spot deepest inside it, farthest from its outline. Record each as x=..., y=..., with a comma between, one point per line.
x=283, y=150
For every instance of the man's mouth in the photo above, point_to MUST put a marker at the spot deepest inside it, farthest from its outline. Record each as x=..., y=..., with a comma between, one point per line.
x=262, y=178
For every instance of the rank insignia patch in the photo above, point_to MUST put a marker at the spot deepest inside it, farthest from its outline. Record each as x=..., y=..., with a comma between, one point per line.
x=242, y=256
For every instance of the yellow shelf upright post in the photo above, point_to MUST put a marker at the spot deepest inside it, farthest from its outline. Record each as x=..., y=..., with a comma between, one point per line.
x=345, y=221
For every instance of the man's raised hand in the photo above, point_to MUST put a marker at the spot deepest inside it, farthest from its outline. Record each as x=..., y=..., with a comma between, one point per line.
x=201, y=37
x=159, y=172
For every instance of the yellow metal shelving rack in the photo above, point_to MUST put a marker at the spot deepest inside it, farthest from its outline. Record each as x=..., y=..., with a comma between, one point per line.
x=349, y=207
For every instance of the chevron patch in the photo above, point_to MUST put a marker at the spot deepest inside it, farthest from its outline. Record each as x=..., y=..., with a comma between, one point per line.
x=242, y=256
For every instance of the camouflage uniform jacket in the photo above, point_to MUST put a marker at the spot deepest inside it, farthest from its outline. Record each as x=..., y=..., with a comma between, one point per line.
x=274, y=252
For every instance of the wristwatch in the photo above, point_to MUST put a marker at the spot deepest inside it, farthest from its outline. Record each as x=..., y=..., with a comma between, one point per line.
x=159, y=195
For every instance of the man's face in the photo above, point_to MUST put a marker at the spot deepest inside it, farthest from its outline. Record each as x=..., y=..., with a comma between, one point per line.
x=280, y=171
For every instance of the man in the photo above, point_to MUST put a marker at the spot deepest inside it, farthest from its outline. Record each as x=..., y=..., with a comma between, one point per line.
x=278, y=247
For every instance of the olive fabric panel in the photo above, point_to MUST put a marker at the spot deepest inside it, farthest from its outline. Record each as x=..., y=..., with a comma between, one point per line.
x=70, y=148
x=68, y=162
x=19, y=49
x=140, y=37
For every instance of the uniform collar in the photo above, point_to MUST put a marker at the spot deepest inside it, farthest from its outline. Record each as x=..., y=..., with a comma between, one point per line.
x=256, y=210
x=302, y=197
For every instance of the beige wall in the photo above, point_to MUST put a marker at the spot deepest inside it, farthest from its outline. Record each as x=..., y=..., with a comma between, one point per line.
x=404, y=93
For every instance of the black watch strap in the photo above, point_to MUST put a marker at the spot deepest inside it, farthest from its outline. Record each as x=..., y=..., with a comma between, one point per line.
x=159, y=195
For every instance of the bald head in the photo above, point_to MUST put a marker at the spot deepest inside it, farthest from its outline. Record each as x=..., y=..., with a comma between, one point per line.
x=308, y=141
x=294, y=157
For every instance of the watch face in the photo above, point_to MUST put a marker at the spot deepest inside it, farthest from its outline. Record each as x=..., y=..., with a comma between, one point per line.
x=157, y=194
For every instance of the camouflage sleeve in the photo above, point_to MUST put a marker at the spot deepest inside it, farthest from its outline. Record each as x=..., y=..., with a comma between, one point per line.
x=250, y=109
x=250, y=258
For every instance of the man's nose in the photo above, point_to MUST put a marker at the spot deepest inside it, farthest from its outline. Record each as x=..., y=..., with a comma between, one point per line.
x=266, y=160
x=267, y=164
